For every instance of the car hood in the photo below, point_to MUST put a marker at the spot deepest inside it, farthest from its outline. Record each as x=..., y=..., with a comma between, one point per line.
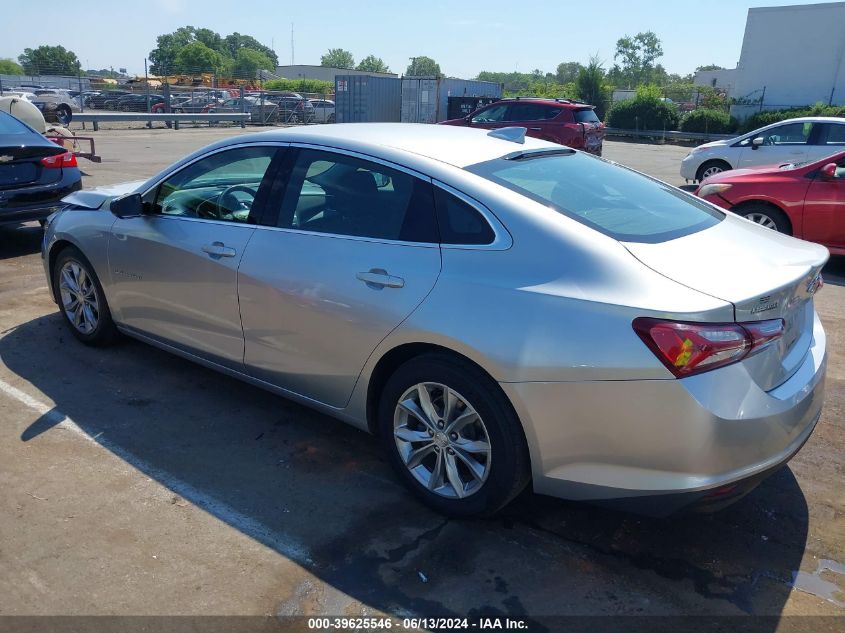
x=95, y=198
x=734, y=174
x=720, y=143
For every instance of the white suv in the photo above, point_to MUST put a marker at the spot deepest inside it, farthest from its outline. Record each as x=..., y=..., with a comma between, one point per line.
x=790, y=141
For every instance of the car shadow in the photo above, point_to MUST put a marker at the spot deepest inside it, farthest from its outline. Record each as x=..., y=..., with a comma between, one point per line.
x=20, y=239
x=834, y=271
x=320, y=493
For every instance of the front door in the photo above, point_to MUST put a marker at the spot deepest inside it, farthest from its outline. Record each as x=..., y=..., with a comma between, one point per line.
x=787, y=143
x=353, y=252
x=824, y=209
x=491, y=117
x=174, y=269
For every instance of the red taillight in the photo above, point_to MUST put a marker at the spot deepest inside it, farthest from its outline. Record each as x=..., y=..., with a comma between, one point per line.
x=59, y=161
x=692, y=348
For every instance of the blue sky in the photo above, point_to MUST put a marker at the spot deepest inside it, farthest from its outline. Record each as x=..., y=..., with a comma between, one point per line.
x=464, y=38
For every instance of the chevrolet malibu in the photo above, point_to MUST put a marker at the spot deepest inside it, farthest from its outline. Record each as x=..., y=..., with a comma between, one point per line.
x=497, y=309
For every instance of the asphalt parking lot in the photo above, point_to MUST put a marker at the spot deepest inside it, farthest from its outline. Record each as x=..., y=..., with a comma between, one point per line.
x=135, y=482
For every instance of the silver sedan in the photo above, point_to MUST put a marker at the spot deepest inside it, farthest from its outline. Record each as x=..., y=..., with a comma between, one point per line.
x=499, y=310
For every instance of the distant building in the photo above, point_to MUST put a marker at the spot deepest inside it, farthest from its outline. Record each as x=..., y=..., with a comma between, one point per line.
x=323, y=73
x=722, y=80
x=791, y=56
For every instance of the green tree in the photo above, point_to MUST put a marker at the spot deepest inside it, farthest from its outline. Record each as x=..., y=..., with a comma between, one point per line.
x=10, y=67
x=709, y=67
x=373, y=64
x=568, y=71
x=49, y=60
x=196, y=57
x=637, y=56
x=338, y=58
x=163, y=56
x=235, y=42
x=591, y=86
x=248, y=62
x=423, y=66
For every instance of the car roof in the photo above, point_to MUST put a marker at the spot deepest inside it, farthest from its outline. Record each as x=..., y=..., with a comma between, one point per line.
x=562, y=103
x=458, y=146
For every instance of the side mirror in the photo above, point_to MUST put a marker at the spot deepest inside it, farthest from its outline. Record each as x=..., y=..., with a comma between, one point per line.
x=828, y=172
x=128, y=206
x=757, y=142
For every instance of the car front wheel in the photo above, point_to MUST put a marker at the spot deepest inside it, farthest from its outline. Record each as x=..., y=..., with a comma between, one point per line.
x=765, y=215
x=452, y=436
x=81, y=298
x=711, y=168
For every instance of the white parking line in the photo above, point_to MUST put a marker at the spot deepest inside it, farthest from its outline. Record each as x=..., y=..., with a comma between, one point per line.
x=280, y=542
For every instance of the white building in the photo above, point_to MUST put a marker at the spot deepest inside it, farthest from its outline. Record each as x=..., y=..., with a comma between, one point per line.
x=791, y=56
x=722, y=79
x=323, y=73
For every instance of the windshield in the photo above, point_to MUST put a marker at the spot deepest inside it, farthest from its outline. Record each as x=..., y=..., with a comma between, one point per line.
x=614, y=200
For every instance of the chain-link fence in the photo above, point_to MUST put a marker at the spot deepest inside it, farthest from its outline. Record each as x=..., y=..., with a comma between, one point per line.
x=269, y=100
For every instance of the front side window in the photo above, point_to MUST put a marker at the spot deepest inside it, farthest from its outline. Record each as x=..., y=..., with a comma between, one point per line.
x=222, y=186
x=789, y=134
x=492, y=114
x=344, y=195
x=612, y=200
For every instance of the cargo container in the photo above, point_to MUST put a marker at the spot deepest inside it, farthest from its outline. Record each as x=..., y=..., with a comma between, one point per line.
x=426, y=99
x=367, y=99
x=460, y=107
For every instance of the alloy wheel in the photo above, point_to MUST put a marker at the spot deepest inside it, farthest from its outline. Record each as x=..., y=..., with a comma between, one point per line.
x=711, y=171
x=442, y=440
x=79, y=297
x=763, y=220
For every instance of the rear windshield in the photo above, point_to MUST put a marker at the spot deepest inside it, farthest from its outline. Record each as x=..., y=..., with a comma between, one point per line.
x=587, y=115
x=10, y=125
x=614, y=200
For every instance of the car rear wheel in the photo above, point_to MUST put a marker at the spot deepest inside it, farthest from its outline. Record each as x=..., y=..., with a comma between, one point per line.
x=81, y=298
x=765, y=215
x=452, y=436
x=711, y=168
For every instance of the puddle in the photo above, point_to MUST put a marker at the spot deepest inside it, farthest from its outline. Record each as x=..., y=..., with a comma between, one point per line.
x=814, y=584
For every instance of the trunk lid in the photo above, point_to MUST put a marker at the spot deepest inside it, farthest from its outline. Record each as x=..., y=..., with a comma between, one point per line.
x=764, y=274
x=20, y=165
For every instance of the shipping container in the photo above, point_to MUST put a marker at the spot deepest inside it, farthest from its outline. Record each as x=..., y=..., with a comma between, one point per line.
x=459, y=107
x=426, y=99
x=367, y=99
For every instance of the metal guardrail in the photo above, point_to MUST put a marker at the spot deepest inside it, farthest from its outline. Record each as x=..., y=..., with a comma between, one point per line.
x=667, y=134
x=102, y=117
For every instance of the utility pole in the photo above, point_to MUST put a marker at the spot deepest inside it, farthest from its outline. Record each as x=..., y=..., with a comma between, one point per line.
x=413, y=66
x=291, y=45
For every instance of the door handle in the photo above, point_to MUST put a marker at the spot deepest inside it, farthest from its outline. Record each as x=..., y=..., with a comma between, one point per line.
x=378, y=278
x=218, y=249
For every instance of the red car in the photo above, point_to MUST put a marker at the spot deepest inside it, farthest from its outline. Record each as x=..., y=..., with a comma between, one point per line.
x=806, y=200
x=562, y=121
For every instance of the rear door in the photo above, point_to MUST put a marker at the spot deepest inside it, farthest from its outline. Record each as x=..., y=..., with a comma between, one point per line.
x=536, y=117
x=829, y=139
x=174, y=270
x=787, y=143
x=353, y=251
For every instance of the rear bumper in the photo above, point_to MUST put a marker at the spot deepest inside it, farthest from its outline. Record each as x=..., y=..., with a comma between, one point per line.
x=659, y=445
x=39, y=201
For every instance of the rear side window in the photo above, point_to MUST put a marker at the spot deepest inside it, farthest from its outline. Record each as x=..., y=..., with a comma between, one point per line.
x=833, y=134
x=344, y=195
x=587, y=115
x=532, y=112
x=610, y=199
x=459, y=222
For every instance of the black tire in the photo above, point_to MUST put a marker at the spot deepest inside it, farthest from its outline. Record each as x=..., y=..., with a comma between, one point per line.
x=64, y=114
x=713, y=167
x=765, y=215
x=509, y=464
x=105, y=332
